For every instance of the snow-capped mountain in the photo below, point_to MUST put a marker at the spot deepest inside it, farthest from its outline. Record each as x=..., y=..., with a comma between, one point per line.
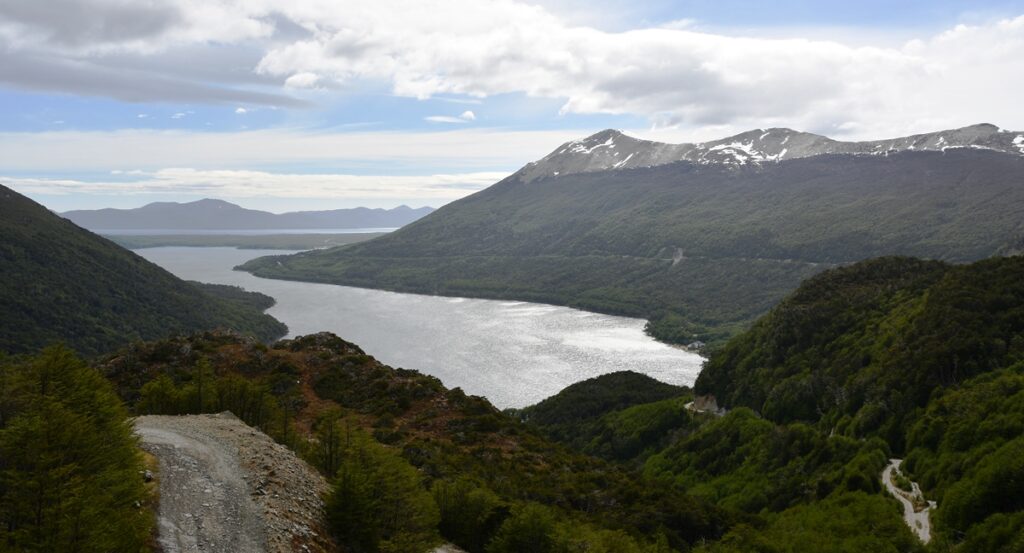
x=612, y=149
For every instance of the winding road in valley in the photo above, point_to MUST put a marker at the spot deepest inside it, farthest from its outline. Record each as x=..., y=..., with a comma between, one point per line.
x=917, y=520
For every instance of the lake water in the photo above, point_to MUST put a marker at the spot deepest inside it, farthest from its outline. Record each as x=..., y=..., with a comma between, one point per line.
x=513, y=353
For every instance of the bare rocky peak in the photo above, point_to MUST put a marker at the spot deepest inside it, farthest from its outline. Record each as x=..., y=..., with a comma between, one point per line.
x=614, y=150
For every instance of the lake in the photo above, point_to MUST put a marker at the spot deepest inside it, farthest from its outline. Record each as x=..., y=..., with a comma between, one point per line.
x=513, y=353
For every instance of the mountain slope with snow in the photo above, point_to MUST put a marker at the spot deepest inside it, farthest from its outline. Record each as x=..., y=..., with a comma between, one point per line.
x=698, y=239
x=611, y=150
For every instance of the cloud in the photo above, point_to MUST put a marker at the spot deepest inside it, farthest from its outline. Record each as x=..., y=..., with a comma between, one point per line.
x=76, y=23
x=465, y=117
x=241, y=111
x=259, y=184
x=444, y=119
x=302, y=80
x=672, y=76
x=670, y=73
x=85, y=77
x=94, y=27
x=139, y=51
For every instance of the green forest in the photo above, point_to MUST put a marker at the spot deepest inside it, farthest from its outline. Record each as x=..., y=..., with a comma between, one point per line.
x=70, y=466
x=888, y=358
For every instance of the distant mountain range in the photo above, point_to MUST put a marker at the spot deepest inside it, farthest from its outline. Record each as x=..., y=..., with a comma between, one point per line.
x=612, y=150
x=702, y=238
x=220, y=215
x=61, y=283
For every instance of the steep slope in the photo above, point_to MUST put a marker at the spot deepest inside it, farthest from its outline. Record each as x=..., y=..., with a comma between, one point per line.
x=862, y=347
x=697, y=248
x=886, y=358
x=315, y=391
x=59, y=282
x=218, y=215
x=925, y=355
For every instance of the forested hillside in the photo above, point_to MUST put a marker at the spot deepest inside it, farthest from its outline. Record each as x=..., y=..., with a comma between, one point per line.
x=862, y=348
x=891, y=357
x=64, y=284
x=699, y=250
x=887, y=358
x=411, y=460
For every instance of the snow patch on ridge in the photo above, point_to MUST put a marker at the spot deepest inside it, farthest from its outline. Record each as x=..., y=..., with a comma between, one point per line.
x=580, y=148
x=741, y=152
x=623, y=162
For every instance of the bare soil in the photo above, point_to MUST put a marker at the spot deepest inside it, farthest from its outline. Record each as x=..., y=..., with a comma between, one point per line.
x=227, y=487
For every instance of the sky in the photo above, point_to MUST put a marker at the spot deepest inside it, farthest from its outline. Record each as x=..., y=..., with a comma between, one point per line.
x=323, y=104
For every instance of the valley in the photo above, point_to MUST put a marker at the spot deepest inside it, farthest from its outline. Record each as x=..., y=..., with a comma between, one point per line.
x=698, y=246
x=511, y=276
x=513, y=353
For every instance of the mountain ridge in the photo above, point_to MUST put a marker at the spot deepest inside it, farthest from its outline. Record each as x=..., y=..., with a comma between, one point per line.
x=612, y=149
x=215, y=214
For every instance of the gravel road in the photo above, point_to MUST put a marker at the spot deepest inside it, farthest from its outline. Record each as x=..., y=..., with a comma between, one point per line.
x=226, y=487
x=918, y=521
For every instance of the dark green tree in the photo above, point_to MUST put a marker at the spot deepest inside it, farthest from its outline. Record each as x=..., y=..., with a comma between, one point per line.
x=69, y=462
x=378, y=502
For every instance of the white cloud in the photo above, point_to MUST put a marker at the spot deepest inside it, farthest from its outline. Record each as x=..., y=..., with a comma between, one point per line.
x=241, y=111
x=444, y=119
x=178, y=115
x=672, y=74
x=464, y=117
x=142, y=116
x=302, y=80
x=259, y=184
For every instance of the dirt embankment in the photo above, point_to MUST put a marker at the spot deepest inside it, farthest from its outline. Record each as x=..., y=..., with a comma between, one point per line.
x=226, y=487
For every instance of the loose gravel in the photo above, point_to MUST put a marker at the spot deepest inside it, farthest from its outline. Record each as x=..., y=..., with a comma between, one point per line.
x=227, y=487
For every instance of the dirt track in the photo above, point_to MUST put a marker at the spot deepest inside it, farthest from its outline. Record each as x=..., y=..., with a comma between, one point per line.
x=225, y=487
x=918, y=520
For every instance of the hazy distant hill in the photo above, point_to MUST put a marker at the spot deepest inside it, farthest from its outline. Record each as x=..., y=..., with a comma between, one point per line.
x=219, y=215
x=703, y=245
x=59, y=282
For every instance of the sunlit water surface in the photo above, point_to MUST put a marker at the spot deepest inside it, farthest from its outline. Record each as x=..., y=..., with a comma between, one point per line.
x=513, y=353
